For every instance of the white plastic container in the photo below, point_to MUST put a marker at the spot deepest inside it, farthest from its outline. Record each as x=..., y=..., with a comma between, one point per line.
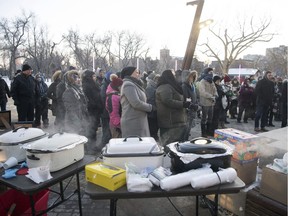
x=56, y=151
x=141, y=151
x=10, y=142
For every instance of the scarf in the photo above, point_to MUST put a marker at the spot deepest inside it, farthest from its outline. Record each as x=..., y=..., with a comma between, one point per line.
x=136, y=81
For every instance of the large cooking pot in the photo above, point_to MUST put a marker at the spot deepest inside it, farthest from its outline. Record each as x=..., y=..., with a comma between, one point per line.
x=56, y=151
x=10, y=142
x=193, y=154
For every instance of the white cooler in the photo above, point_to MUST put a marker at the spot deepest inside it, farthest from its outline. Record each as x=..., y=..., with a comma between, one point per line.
x=58, y=151
x=141, y=151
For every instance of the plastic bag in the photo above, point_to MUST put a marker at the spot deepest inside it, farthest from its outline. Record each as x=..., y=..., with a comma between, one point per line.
x=137, y=180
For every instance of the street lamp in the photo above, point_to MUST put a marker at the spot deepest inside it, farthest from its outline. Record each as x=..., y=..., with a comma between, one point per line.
x=205, y=23
x=187, y=61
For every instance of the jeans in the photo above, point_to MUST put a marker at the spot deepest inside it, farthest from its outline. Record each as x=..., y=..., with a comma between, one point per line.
x=261, y=113
x=207, y=114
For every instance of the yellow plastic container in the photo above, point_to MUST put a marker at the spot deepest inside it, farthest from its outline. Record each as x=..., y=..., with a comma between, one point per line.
x=105, y=175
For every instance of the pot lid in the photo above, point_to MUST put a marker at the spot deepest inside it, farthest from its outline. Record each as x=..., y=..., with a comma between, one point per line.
x=133, y=145
x=22, y=135
x=56, y=142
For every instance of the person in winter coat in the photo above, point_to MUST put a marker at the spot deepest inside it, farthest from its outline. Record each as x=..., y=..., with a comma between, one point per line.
x=219, y=112
x=284, y=104
x=245, y=100
x=95, y=107
x=113, y=106
x=41, y=102
x=51, y=94
x=134, y=104
x=189, y=94
x=151, y=99
x=234, y=98
x=60, y=88
x=171, y=109
x=23, y=94
x=105, y=119
x=4, y=92
x=208, y=94
x=75, y=104
x=264, y=91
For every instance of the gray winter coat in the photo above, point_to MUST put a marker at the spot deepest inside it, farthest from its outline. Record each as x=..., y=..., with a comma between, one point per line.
x=134, y=110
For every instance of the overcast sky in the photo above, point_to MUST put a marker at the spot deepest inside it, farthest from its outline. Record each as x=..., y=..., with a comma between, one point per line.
x=163, y=23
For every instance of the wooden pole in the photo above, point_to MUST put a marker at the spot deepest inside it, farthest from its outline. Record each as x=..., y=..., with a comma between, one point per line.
x=187, y=61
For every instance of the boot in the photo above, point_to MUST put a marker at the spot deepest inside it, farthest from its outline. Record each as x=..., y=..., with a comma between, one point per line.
x=203, y=130
x=210, y=130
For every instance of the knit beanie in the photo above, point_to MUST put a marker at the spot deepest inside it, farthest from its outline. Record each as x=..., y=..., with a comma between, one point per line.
x=116, y=83
x=227, y=79
x=26, y=67
x=127, y=71
x=216, y=77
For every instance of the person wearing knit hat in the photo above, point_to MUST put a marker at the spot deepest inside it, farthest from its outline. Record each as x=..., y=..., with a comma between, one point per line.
x=41, y=102
x=134, y=104
x=221, y=102
x=116, y=83
x=215, y=78
x=127, y=71
x=26, y=67
x=226, y=79
x=113, y=106
x=23, y=94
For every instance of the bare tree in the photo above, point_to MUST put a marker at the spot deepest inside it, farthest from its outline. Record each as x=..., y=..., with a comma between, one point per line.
x=75, y=44
x=40, y=49
x=231, y=46
x=130, y=46
x=12, y=35
x=103, y=52
x=277, y=60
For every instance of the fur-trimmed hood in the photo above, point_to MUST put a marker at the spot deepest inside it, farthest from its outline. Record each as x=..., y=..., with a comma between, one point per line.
x=57, y=75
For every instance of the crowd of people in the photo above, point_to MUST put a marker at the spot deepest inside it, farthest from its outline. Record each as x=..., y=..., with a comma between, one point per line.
x=164, y=106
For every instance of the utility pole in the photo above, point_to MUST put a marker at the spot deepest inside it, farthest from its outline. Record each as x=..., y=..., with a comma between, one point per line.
x=187, y=61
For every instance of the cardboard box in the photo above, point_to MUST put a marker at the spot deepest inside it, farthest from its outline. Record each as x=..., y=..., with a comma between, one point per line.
x=234, y=203
x=246, y=170
x=104, y=175
x=241, y=142
x=274, y=185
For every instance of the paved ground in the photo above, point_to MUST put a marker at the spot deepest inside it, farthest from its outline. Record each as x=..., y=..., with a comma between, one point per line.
x=145, y=207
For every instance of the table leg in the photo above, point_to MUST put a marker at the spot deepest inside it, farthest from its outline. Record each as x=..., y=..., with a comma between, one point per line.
x=32, y=204
x=197, y=205
x=216, y=204
x=113, y=207
x=79, y=194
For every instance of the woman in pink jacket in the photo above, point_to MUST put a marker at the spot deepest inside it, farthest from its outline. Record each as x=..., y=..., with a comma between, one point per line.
x=113, y=106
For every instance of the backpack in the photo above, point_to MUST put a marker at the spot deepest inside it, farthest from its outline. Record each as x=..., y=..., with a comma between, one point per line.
x=109, y=101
